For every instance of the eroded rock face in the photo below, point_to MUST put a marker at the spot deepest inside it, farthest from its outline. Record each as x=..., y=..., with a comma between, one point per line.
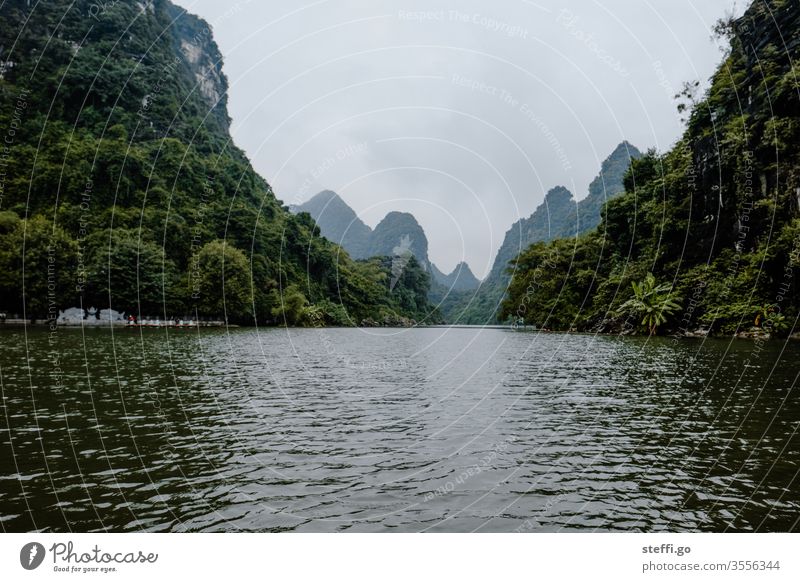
x=202, y=58
x=734, y=139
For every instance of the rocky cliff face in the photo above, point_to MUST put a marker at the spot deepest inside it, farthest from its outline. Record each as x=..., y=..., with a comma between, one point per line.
x=747, y=124
x=147, y=66
x=202, y=60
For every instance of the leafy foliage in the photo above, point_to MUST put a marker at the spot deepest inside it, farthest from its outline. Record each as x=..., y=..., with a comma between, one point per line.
x=717, y=214
x=559, y=216
x=650, y=302
x=121, y=167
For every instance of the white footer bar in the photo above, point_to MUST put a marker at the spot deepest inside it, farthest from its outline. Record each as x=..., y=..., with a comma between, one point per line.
x=403, y=557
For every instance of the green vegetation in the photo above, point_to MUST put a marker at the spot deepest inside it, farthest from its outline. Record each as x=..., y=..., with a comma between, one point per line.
x=121, y=187
x=654, y=304
x=716, y=216
x=398, y=232
x=559, y=216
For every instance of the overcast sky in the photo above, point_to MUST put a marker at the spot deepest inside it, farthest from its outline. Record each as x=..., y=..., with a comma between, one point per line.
x=463, y=113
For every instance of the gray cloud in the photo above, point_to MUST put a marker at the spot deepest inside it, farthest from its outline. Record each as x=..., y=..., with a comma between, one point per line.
x=462, y=113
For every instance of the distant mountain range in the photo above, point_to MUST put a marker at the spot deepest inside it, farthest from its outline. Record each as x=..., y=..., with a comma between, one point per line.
x=558, y=216
x=462, y=297
x=397, y=233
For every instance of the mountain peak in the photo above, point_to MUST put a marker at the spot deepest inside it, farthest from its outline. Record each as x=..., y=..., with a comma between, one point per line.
x=397, y=227
x=607, y=184
x=625, y=147
x=558, y=195
x=560, y=215
x=326, y=196
x=396, y=216
x=623, y=153
x=338, y=222
x=461, y=278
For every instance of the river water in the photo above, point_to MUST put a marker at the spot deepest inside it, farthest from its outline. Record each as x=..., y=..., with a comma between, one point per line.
x=436, y=429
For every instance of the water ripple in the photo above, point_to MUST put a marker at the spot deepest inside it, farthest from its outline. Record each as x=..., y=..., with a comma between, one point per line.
x=395, y=430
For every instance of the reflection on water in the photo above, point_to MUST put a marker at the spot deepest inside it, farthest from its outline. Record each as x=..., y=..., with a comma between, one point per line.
x=394, y=430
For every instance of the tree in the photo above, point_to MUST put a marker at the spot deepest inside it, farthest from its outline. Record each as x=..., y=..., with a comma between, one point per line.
x=131, y=275
x=219, y=281
x=121, y=147
x=37, y=266
x=292, y=308
x=653, y=303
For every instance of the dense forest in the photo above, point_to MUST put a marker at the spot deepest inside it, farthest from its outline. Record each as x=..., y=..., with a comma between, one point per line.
x=120, y=186
x=706, y=238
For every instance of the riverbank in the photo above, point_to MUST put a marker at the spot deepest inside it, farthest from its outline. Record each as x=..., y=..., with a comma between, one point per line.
x=97, y=323
x=752, y=335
